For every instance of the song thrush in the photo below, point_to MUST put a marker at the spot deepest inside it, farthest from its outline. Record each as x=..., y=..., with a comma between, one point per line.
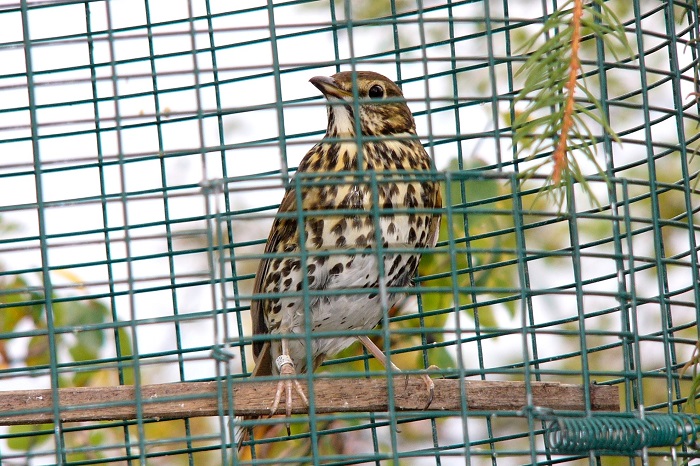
x=342, y=252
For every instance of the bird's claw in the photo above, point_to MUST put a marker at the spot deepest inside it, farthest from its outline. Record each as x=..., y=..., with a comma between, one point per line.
x=430, y=385
x=285, y=365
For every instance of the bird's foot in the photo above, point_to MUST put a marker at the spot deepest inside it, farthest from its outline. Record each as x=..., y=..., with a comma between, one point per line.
x=285, y=365
x=430, y=385
x=381, y=357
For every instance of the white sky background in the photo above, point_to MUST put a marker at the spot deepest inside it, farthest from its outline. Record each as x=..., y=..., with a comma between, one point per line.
x=65, y=88
x=69, y=188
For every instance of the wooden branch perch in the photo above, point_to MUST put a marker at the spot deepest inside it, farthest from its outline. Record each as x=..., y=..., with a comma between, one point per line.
x=194, y=399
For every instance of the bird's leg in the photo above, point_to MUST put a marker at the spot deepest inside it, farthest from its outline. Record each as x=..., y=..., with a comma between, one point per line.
x=381, y=357
x=285, y=366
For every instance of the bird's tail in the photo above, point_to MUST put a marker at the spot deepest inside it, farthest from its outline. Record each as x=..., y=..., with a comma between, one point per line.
x=263, y=367
x=243, y=433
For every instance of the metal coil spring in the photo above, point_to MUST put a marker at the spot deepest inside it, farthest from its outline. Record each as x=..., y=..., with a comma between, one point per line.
x=625, y=435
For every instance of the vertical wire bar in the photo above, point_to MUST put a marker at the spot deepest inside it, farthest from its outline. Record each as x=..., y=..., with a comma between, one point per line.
x=123, y=199
x=221, y=324
x=336, y=55
x=530, y=307
x=494, y=86
x=525, y=305
x=336, y=39
x=116, y=330
x=397, y=41
x=307, y=312
x=361, y=172
x=359, y=141
x=527, y=308
x=577, y=268
x=282, y=134
x=397, y=54
x=47, y=285
x=166, y=209
x=431, y=152
x=167, y=223
x=461, y=372
x=306, y=306
x=99, y=145
x=419, y=297
x=629, y=240
x=468, y=243
x=383, y=300
x=659, y=249
x=684, y=161
x=224, y=391
x=118, y=124
x=516, y=169
x=674, y=71
x=206, y=199
x=622, y=295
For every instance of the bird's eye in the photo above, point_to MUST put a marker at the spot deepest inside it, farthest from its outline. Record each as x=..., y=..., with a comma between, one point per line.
x=376, y=91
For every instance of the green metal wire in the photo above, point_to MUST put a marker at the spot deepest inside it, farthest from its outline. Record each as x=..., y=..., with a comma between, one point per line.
x=617, y=434
x=38, y=180
x=141, y=271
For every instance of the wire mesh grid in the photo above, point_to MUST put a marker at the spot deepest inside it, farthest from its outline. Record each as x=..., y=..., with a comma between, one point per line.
x=146, y=146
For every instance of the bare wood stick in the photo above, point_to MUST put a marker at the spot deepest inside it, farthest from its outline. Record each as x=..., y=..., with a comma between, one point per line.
x=194, y=399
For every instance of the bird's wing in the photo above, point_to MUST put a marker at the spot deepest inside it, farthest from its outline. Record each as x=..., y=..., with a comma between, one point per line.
x=434, y=230
x=261, y=350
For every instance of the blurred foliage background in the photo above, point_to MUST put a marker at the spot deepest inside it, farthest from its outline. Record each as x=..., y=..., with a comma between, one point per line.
x=517, y=250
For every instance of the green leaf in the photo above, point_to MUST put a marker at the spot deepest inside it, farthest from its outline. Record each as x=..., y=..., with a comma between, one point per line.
x=38, y=351
x=25, y=438
x=127, y=371
x=87, y=346
x=80, y=313
x=440, y=357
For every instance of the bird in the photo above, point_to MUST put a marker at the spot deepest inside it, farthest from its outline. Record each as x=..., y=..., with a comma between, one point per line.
x=372, y=245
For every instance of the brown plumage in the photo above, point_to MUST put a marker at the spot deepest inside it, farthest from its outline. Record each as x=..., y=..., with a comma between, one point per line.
x=341, y=249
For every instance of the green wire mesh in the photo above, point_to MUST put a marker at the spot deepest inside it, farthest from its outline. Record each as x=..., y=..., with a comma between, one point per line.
x=145, y=146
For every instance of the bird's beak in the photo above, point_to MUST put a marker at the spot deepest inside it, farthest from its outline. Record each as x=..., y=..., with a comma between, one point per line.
x=329, y=87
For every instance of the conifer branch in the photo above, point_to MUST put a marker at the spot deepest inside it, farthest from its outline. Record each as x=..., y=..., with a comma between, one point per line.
x=559, y=155
x=553, y=127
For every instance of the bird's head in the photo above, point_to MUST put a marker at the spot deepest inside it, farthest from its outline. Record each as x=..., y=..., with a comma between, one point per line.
x=383, y=109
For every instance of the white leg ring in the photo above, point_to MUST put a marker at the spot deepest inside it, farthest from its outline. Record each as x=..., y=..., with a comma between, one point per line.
x=283, y=360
